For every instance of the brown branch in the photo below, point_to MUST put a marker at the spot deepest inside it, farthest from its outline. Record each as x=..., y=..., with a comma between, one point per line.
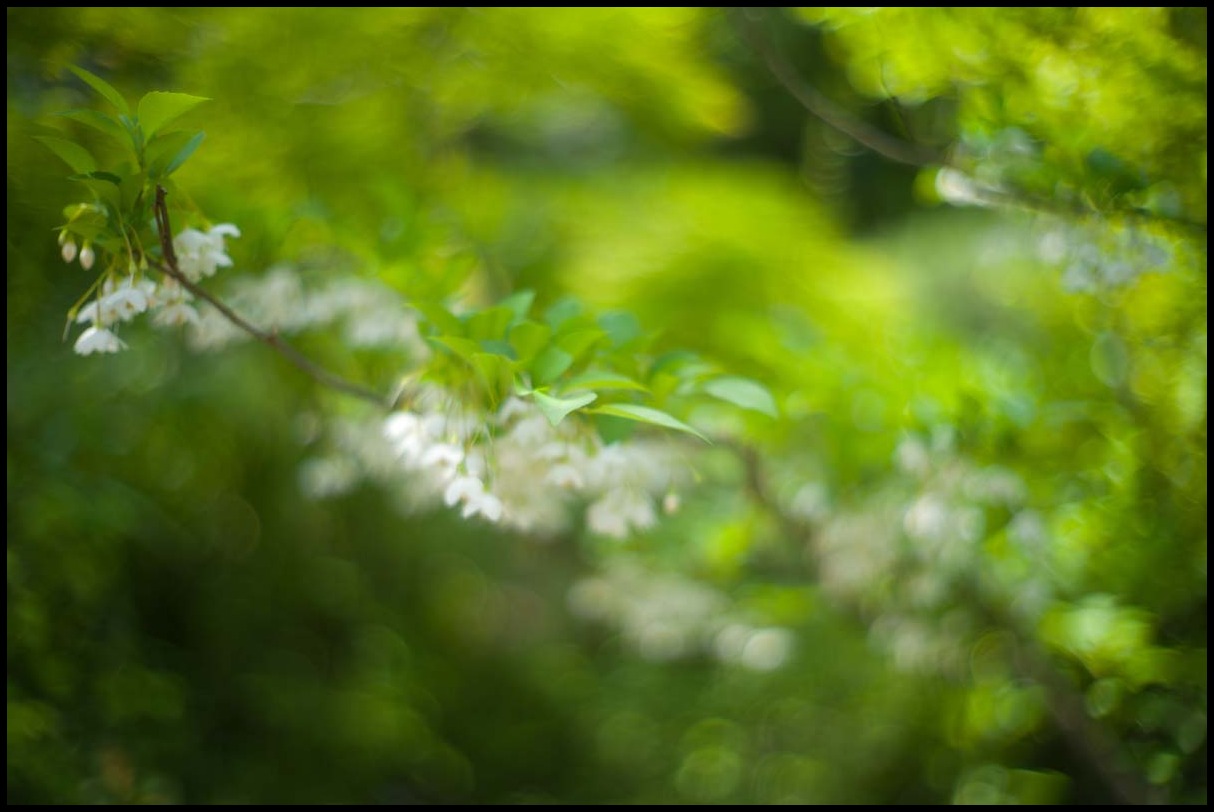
x=270, y=338
x=863, y=133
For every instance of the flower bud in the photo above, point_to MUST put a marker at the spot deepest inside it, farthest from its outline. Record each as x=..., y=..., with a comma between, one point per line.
x=68, y=251
x=86, y=257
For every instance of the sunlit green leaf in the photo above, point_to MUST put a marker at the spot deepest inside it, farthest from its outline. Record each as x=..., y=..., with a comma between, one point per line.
x=644, y=414
x=561, y=312
x=496, y=373
x=549, y=364
x=621, y=327
x=743, y=392
x=528, y=338
x=599, y=380
x=579, y=342
x=490, y=323
x=557, y=409
x=156, y=109
x=519, y=303
x=463, y=348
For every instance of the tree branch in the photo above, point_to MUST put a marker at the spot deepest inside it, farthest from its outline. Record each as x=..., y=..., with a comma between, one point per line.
x=322, y=376
x=863, y=133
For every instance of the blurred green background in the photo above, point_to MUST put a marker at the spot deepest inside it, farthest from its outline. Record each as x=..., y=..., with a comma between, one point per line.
x=966, y=564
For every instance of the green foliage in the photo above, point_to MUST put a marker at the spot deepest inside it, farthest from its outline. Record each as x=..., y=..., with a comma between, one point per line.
x=947, y=542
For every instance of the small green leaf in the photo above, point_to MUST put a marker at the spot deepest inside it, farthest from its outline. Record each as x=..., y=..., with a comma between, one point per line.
x=621, y=327
x=519, y=303
x=489, y=324
x=681, y=364
x=549, y=364
x=74, y=155
x=557, y=409
x=97, y=174
x=743, y=392
x=498, y=347
x=644, y=414
x=561, y=312
x=103, y=87
x=496, y=373
x=462, y=348
x=158, y=108
x=167, y=152
x=528, y=338
x=597, y=379
x=440, y=317
x=100, y=122
x=579, y=342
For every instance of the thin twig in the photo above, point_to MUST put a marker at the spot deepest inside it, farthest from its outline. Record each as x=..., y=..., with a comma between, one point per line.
x=863, y=133
x=170, y=268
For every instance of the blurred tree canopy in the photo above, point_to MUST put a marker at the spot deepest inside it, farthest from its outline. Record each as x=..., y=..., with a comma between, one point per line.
x=959, y=558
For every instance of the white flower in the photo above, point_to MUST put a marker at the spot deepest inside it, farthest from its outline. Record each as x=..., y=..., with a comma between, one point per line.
x=68, y=251
x=476, y=500
x=98, y=339
x=444, y=458
x=620, y=510
x=199, y=254
x=566, y=476
x=86, y=257
x=175, y=314
x=127, y=300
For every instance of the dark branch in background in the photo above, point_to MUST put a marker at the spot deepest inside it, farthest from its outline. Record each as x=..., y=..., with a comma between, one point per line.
x=863, y=133
x=272, y=339
x=912, y=154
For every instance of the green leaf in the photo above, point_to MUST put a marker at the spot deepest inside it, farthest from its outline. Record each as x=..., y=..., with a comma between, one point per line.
x=549, y=364
x=743, y=392
x=519, y=303
x=496, y=373
x=103, y=87
x=644, y=414
x=557, y=409
x=158, y=108
x=674, y=362
x=579, y=342
x=101, y=122
x=462, y=348
x=621, y=327
x=598, y=379
x=133, y=131
x=490, y=323
x=440, y=317
x=85, y=220
x=168, y=151
x=561, y=312
x=97, y=174
x=528, y=338
x=74, y=155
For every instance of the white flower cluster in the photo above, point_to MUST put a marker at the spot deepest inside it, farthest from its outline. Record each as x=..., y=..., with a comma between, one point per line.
x=199, y=254
x=515, y=468
x=370, y=315
x=667, y=617
x=120, y=300
x=1099, y=254
x=911, y=556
